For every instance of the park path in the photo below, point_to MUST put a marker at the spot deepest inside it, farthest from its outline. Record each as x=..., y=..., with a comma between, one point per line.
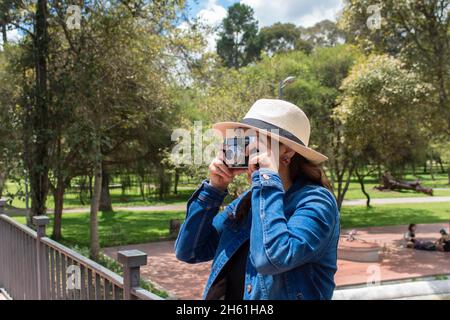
x=186, y=281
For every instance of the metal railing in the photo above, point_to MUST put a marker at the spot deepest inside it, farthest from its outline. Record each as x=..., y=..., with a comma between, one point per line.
x=33, y=266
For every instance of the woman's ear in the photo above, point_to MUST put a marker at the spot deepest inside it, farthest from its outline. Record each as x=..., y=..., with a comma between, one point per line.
x=288, y=153
x=286, y=156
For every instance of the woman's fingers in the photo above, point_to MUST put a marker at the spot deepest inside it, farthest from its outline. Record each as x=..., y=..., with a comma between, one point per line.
x=223, y=168
x=216, y=172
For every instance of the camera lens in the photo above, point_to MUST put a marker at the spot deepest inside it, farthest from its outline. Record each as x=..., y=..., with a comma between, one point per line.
x=229, y=154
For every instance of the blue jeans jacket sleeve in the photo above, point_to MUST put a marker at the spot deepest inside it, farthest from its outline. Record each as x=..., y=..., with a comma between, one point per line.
x=199, y=235
x=278, y=244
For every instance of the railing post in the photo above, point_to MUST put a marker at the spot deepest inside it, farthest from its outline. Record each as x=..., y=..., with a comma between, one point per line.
x=40, y=222
x=3, y=247
x=131, y=260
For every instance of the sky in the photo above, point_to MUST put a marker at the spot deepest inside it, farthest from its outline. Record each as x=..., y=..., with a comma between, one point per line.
x=300, y=12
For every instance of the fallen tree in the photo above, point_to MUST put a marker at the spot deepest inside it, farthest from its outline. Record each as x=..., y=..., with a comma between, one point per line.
x=388, y=182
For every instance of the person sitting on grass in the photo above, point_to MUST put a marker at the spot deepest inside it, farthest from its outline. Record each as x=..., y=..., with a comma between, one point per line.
x=443, y=244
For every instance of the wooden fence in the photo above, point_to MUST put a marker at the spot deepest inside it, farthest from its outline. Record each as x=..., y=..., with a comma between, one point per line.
x=33, y=266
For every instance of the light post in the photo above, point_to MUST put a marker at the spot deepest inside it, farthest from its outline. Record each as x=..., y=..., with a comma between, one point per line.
x=283, y=84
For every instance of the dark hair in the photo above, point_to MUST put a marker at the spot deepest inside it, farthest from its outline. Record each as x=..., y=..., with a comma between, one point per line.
x=299, y=168
x=411, y=225
x=302, y=168
x=443, y=232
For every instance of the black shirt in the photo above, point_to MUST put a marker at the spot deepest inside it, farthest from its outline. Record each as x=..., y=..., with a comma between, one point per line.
x=230, y=283
x=236, y=273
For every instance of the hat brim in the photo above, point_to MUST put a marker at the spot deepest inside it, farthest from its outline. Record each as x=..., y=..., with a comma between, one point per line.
x=308, y=153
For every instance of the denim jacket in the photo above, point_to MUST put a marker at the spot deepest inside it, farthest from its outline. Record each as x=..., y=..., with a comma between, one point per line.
x=293, y=237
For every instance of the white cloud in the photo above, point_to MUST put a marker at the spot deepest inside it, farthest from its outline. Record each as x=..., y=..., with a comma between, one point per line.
x=212, y=15
x=301, y=12
x=12, y=36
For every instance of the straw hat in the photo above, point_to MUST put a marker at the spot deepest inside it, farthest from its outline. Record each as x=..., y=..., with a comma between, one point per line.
x=283, y=121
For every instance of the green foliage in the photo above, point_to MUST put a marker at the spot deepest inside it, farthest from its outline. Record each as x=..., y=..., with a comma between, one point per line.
x=383, y=108
x=239, y=43
x=416, y=32
x=282, y=37
x=324, y=33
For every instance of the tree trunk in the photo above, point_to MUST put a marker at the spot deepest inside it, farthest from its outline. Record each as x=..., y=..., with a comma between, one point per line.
x=162, y=184
x=343, y=190
x=390, y=183
x=38, y=161
x=81, y=189
x=177, y=179
x=2, y=182
x=4, y=34
x=95, y=201
x=363, y=189
x=105, y=198
x=441, y=165
x=431, y=170
x=142, y=187
x=58, y=196
x=90, y=186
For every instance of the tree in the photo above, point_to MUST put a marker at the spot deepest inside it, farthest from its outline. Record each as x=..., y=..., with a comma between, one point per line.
x=32, y=21
x=282, y=37
x=10, y=142
x=324, y=33
x=316, y=89
x=416, y=32
x=382, y=112
x=118, y=110
x=239, y=43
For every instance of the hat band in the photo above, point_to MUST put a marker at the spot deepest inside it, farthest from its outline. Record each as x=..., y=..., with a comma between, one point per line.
x=268, y=126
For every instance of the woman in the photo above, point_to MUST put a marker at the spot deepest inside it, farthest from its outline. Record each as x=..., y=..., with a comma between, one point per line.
x=278, y=240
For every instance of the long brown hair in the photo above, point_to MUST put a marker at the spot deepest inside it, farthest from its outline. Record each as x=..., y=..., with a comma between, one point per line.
x=299, y=168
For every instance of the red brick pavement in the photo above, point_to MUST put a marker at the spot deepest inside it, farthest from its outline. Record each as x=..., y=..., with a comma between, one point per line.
x=187, y=281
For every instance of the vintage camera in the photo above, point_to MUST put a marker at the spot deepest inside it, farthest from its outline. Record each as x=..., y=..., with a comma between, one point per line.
x=236, y=151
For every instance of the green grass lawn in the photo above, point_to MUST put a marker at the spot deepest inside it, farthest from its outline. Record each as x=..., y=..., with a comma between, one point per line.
x=122, y=227
x=132, y=198
x=115, y=228
x=394, y=214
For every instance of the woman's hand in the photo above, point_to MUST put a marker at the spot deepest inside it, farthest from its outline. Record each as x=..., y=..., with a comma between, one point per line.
x=265, y=158
x=220, y=176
